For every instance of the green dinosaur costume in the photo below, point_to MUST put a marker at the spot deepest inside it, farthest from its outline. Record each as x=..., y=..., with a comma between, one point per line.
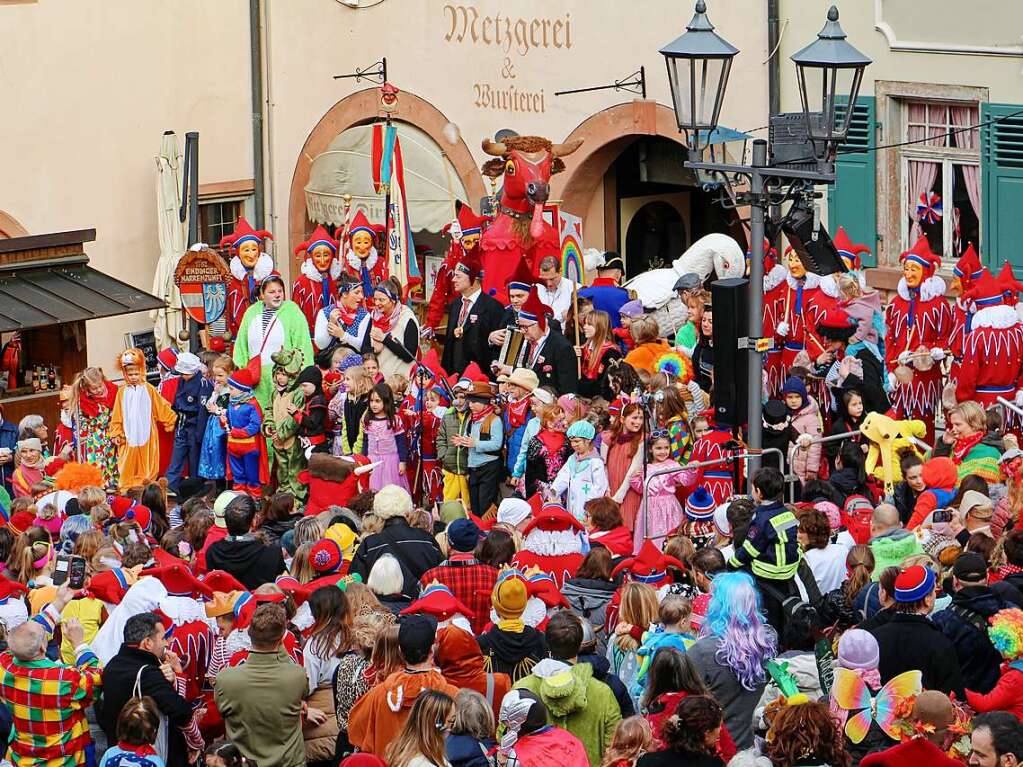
x=280, y=428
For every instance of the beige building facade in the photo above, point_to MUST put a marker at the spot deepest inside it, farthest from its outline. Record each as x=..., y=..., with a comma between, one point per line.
x=90, y=86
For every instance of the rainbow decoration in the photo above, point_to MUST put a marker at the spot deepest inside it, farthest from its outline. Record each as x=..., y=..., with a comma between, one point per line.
x=676, y=365
x=571, y=232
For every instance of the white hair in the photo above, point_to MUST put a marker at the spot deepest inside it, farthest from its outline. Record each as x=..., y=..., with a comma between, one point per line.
x=392, y=501
x=385, y=577
x=27, y=426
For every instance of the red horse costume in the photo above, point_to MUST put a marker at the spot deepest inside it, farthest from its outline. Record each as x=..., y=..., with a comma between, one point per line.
x=465, y=238
x=919, y=321
x=316, y=288
x=249, y=267
x=519, y=230
x=362, y=261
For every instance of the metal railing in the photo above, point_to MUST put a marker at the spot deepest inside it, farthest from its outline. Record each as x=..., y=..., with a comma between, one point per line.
x=700, y=465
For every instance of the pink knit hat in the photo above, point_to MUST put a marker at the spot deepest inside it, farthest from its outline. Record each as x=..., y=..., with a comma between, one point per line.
x=832, y=512
x=857, y=649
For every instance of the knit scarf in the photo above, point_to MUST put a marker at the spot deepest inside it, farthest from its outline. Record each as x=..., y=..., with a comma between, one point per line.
x=517, y=412
x=480, y=416
x=962, y=447
x=551, y=439
x=350, y=318
x=144, y=750
x=512, y=625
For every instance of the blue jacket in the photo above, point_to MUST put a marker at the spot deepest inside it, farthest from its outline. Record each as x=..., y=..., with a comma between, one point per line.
x=771, y=549
x=8, y=439
x=190, y=405
x=964, y=622
x=466, y=751
x=607, y=298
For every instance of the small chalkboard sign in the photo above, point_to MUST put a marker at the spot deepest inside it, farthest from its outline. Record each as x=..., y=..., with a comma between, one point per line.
x=146, y=341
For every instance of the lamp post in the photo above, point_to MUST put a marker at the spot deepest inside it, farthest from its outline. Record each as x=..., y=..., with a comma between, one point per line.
x=829, y=70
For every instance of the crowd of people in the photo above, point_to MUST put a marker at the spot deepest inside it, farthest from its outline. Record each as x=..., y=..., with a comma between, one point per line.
x=336, y=545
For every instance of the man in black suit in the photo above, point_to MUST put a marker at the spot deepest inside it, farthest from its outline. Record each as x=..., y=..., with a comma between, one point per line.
x=472, y=317
x=548, y=353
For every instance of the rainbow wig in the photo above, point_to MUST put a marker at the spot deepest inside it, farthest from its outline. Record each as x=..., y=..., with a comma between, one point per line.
x=745, y=640
x=1006, y=633
x=676, y=366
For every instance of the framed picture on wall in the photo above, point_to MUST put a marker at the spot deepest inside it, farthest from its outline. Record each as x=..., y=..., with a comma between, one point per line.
x=432, y=266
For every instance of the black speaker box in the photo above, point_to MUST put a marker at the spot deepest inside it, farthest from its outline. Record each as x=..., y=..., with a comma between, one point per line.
x=730, y=299
x=818, y=255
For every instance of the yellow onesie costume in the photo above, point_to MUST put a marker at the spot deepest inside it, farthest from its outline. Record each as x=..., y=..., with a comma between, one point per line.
x=138, y=408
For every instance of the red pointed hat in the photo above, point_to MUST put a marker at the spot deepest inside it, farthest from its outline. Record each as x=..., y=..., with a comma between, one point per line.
x=431, y=362
x=9, y=588
x=179, y=581
x=468, y=221
x=986, y=291
x=471, y=374
x=522, y=278
x=361, y=224
x=438, y=601
x=167, y=358
x=1007, y=279
x=320, y=236
x=921, y=254
x=20, y=521
x=290, y=585
x=222, y=581
x=968, y=267
x=835, y=323
x=164, y=557
x=553, y=517
x=109, y=586
x=535, y=310
x=770, y=256
x=649, y=566
x=848, y=250
x=543, y=586
x=242, y=233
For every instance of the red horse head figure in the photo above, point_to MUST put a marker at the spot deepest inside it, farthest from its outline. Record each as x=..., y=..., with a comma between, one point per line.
x=526, y=163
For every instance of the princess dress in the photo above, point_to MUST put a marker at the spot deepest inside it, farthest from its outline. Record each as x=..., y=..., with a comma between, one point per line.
x=382, y=446
x=213, y=452
x=663, y=511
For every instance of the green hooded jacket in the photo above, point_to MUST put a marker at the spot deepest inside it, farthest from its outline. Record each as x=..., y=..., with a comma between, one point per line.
x=576, y=702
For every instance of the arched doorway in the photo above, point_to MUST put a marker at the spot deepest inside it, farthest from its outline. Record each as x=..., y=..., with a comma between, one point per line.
x=656, y=232
x=10, y=226
x=359, y=109
x=631, y=157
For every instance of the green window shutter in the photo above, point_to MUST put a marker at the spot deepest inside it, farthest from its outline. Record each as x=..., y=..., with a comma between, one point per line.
x=852, y=199
x=1001, y=167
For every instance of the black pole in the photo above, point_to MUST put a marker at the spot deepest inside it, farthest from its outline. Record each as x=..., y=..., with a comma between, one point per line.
x=192, y=154
x=256, y=69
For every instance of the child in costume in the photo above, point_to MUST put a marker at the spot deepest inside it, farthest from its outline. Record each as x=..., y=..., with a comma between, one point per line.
x=583, y=476
x=139, y=414
x=312, y=415
x=246, y=451
x=91, y=404
x=213, y=454
x=385, y=439
x=348, y=407
x=663, y=513
x=453, y=457
x=189, y=403
x=281, y=427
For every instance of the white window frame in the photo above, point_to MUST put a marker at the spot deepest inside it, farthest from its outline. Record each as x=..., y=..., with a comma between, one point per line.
x=947, y=156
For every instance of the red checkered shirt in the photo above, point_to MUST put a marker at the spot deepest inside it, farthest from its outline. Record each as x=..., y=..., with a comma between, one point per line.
x=471, y=581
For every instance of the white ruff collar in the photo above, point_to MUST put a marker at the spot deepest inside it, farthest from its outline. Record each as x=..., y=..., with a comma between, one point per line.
x=1000, y=317
x=774, y=277
x=263, y=268
x=309, y=270
x=356, y=263
x=932, y=287
x=812, y=281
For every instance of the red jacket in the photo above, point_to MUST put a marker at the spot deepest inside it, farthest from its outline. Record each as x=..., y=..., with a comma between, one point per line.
x=1007, y=695
x=941, y=477
x=912, y=753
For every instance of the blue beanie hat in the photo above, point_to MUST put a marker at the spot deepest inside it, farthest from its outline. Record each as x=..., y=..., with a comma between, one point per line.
x=700, y=504
x=794, y=385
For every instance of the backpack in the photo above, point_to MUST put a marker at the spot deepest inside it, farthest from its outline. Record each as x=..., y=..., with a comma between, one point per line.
x=856, y=515
x=591, y=606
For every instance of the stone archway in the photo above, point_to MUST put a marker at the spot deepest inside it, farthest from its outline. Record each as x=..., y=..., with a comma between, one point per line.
x=10, y=226
x=360, y=108
x=605, y=134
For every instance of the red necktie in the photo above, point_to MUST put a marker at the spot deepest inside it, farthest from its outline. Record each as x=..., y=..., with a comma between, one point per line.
x=462, y=315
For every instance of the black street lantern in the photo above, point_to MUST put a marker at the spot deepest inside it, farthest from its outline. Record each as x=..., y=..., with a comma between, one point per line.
x=698, y=65
x=833, y=68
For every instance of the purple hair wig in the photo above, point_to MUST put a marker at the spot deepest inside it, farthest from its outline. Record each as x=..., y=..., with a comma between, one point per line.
x=745, y=640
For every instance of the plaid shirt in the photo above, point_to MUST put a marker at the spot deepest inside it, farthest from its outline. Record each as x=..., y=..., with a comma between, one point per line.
x=470, y=581
x=47, y=701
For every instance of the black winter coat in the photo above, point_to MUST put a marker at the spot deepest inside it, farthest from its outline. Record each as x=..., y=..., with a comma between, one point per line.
x=248, y=559
x=965, y=623
x=1010, y=589
x=118, y=686
x=557, y=366
x=913, y=642
x=415, y=550
x=602, y=673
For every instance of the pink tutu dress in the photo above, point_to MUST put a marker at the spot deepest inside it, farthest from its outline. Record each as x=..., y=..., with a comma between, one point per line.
x=388, y=446
x=664, y=512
